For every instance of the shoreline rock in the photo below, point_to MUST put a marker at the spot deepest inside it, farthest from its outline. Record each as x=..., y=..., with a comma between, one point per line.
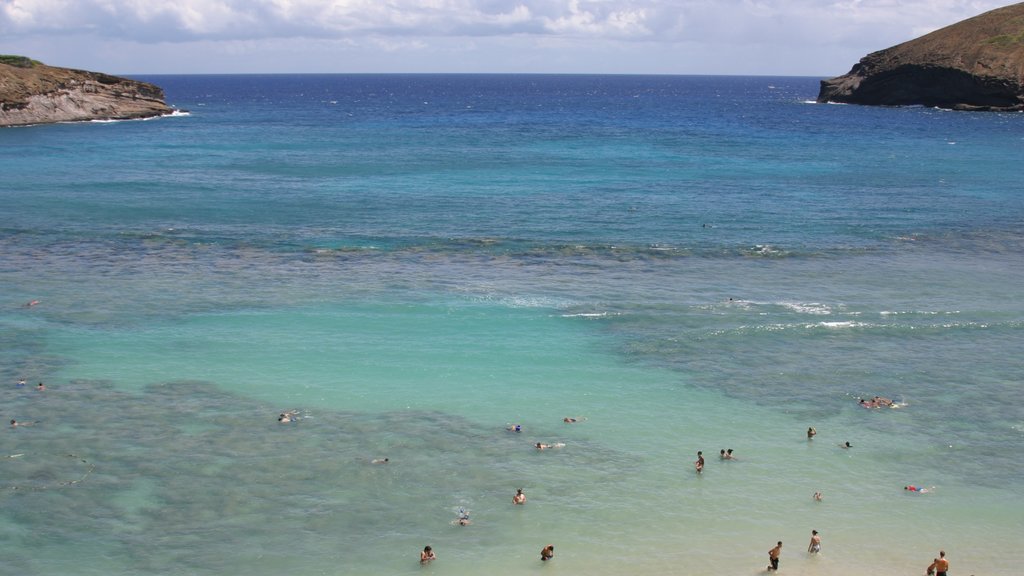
x=975, y=64
x=34, y=93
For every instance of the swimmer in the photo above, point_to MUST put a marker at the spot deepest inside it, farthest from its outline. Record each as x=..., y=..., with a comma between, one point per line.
x=40, y=387
x=918, y=489
x=866, y=404
x=728, y=455
x=289, y=416
x=514, y=428
x=31, y=303
x=20, y=384
x=380, y=461
x=811, y=433
x=15, y=423
x=547, y=552
x=815, y=545
x=721, y=454
x=519, y=498
x=427, y=555
x=463, y=519
x=818, y=496
x=699, y=464
x=571, y=420
x=880, y=401
x=542, y=446
x=846, y=445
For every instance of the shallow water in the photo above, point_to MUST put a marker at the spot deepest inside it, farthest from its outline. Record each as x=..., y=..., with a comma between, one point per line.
x=428, y=260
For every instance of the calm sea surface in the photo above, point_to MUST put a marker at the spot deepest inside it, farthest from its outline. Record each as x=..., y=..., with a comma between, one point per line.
x=416, y=262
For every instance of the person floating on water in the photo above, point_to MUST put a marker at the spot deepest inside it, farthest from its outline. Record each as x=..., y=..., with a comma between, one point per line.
x=543, y=446
x=289, y=416
x=918, y=489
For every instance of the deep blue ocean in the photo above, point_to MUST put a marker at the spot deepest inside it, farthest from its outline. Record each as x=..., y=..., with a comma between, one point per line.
x=414, y=263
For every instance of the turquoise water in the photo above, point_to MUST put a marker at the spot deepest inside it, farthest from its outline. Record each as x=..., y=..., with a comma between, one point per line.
x=415, y=263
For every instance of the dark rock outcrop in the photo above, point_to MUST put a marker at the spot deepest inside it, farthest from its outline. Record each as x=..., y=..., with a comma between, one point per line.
x=976, y=64
x=33, y=93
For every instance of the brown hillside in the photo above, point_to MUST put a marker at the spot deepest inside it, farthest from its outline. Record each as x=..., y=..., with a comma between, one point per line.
x=33, y=93
x=974, y=64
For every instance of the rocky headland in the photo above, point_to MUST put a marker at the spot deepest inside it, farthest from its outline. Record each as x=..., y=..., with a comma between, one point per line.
x=975, y=64
x=34, y=93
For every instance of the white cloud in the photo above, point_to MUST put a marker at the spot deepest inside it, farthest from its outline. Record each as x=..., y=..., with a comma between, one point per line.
x=661, y=34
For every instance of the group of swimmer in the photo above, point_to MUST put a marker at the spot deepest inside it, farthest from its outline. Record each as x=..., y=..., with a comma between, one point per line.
x=21, y=384
x=462, y=516
x=938, y=567
x=723, y=454
x=428, y=555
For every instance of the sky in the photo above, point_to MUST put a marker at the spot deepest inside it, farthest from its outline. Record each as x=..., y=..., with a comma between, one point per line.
x=742, y=37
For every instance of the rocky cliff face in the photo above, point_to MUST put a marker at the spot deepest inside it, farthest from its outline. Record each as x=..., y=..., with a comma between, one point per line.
x=33, y=93
x=976, y=64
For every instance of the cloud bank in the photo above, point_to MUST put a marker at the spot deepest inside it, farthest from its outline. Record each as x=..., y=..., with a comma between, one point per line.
x=681, y=29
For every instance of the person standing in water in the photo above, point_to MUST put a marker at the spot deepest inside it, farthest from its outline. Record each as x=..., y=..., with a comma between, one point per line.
x=699, y=464
x=939, y=566
x=773, y=556
x=547, y=552
x=815, y=546
x=519, y=498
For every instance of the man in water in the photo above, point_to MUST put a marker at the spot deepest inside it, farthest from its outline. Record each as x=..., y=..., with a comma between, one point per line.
x=547, y=552
x=811, y=432
x=699, y=464
x=939, y=566
x=815, y=546
x=773, y=556
x=519, y=498
x=427, y=555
